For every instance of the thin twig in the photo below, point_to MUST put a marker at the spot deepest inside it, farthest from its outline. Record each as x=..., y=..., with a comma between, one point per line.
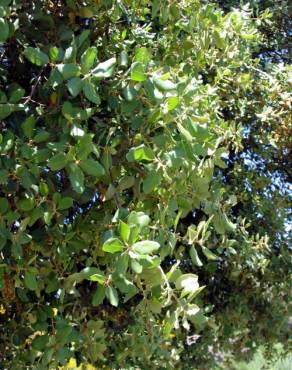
x=117, y=201
x=29, y=98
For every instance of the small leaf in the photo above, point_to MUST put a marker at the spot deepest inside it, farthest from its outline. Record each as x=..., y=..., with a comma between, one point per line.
x=140, y=153
x=134, y=234
x=54, y=53
x=113, y=245
x=122, y=263
x=36, y=56
x=28, y=126
x=112, y=295
x=138, y=218
x=172, y=103
x=136, y=266
x=16, y=95
x=76, y=177
x=69, y=70
x=26, y=204
x=101, y=279
x=142, y=55
x=4, y=30
x=87, y=59
x=164, y=85
x=41, y=136
x=188, y=283
x=210, y=255
x=124, y=59
x=58, y=161
x=4, y=205
x=152, y=180
x=185, y=133
x=6, y=110
x=145, y=247
x=124, y=231
x=92, y=167
x=195, y=257
x=30, y=281
x=40, y=342
x=98, y=296
x=65, y=203
x=90, y=92
x=104, y=69
x=230, y=226
x=75, y=86
x=138, y=72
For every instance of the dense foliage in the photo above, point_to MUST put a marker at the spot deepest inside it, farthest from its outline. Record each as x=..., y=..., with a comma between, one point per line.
x=143, y=216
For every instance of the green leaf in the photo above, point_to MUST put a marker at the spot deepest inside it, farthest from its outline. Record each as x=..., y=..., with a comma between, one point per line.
x=122, y=264
x=74, y=86
x=136, y=266
x=4, y=205
x=195, y=257
x=76, y=177
x=16, y=95
x=70, y=54
x=28, y=126
x=98, y=296
x=140, y=153
x=152, y=180
x=112, y=245
x=104, y=69
x=44, y=189
x=172, y=103
x=164, y=85
x=65, y=203
x=35, y=215
x=80, y=39
x=54, y=53
x=138, y=218
x=6, y=110
x=112, y=295
x=188, y=283
x=69, y=70
x=41, y=136
x=142, y=55
x=40, y=342
x=138, y=72
x=26, y=204
x=145, y=247
x=124, y=59
x=4, y=30
x=124, y=231
x=58, y=161
x=210, y=255
x=126, y=183
x=67, y=110
x=36, y=56
x=129, y=93
x=152, y=276
x=185, y=133
x=30, y=281
x=134, y=234
x=101, y=279
x=92, y=167
x=90, y=92
x=229, y=226
x=87, y=59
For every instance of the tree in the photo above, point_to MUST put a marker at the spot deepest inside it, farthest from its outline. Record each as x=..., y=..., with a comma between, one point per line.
x=125, y=211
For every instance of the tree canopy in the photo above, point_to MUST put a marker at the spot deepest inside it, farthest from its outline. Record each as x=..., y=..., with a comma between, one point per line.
x=144, y=184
